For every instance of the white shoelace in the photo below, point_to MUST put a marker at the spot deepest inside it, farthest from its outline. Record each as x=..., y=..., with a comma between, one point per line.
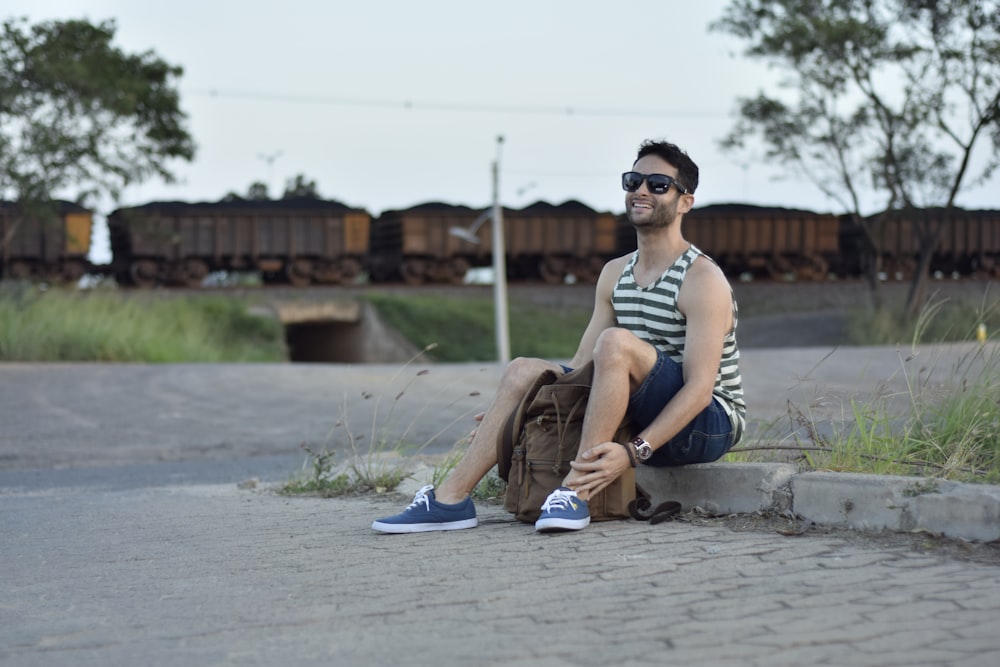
x=558, y=499
x=421, y=498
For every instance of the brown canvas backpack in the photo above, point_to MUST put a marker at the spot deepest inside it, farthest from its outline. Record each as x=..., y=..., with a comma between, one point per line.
x=541, y=437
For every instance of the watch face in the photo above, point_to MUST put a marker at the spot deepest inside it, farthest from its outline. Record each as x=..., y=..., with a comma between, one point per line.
x=642, y=448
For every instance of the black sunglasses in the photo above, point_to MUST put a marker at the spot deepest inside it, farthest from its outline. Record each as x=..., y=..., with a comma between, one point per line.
x=658, y=184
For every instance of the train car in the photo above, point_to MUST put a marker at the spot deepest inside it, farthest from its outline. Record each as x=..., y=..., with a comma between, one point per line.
x=426, y=243
x=556, y=242
x=779, y=243
x=969, y=244
x=438, y=242
x=298, y=241
x=51, y=242
x=759, y=241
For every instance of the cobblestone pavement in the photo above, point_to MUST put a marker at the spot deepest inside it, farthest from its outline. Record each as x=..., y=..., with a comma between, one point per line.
x=213, y=575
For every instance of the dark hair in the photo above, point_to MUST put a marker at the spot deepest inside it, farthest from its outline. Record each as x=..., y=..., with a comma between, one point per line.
x=687, y=170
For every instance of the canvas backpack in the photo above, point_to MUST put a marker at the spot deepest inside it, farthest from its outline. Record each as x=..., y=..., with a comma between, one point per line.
x=541, y=437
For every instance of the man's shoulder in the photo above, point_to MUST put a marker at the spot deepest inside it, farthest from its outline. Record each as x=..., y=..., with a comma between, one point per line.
x=615, y=267
x=705, y=266
x=704, y=275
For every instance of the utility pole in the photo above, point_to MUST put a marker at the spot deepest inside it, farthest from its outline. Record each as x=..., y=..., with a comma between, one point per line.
x=499, y=267
x=269, y=159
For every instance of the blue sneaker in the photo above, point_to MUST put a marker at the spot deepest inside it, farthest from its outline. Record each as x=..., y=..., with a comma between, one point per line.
x=425, y=514
x=563, y=510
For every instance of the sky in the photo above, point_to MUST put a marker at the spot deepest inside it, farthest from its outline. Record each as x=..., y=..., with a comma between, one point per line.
x=394, y=103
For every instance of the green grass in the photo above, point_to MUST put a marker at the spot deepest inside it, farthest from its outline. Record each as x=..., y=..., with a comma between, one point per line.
x=67, y=325
x=463, y=327
x=940, y=430
x=941, y=320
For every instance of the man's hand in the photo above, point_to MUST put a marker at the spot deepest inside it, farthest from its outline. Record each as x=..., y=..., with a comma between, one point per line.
x=596, y=468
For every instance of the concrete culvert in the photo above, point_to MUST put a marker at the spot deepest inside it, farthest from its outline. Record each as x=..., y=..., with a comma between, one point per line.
x=341, y=331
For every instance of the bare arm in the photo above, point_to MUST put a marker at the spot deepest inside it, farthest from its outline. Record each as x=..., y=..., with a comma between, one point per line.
x=603, y=316
x=705, y=300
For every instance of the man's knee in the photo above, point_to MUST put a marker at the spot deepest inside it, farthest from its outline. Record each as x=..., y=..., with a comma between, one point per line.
x=521, y=372
x=614, y=343
x=621, y=350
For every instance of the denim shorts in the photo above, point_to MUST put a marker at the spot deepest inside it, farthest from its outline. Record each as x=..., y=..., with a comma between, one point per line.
x=705, y=439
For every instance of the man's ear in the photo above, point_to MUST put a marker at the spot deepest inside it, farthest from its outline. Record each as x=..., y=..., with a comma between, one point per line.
x=686, y=203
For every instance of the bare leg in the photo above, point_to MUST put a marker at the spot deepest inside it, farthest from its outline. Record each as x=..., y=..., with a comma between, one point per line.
x=481, y=455
x=621, y=362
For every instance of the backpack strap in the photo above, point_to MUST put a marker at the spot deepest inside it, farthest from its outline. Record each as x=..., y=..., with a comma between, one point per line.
x=642, y=508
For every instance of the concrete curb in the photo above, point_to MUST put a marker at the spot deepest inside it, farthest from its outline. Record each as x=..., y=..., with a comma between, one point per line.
x=858, y=501
x=966, y=511
x=846, y=500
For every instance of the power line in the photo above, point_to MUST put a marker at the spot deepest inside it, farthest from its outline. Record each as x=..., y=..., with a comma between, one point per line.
x=453, y=107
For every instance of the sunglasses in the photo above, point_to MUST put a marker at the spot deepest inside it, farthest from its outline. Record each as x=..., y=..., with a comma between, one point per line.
x=658, y=184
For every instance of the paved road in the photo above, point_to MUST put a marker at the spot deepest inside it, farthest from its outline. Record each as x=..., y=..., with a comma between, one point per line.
x=125, y=540
x=211, y=575
x=60, y=415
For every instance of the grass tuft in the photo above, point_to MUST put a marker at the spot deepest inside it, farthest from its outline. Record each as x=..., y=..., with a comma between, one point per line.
x=380, y=456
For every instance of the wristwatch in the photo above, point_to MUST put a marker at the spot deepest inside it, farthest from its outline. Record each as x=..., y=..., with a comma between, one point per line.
x=643, y=450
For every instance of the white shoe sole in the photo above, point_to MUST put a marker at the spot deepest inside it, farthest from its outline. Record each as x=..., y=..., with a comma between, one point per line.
x=554, y=524
x=398, y=528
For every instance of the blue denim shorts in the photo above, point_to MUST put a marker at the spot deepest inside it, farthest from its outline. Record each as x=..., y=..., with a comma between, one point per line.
x=705, y=439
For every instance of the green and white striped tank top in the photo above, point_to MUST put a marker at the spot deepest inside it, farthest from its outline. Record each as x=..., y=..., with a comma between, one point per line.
x=651, y=314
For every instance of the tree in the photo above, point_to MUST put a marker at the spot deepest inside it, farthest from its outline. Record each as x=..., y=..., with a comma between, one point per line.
x=887, y=98
x=300, y=186
x=77, y=112
x=258, y=191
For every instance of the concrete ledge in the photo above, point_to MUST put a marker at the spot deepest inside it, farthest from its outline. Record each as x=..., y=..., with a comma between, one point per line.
x=858, y=501
x=966, y=511
x=722, y=488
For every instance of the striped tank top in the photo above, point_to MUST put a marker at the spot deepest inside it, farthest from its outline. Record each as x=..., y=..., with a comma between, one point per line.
x=651, y=314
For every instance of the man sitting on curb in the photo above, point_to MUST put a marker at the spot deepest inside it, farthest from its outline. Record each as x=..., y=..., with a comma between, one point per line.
x=662, y=338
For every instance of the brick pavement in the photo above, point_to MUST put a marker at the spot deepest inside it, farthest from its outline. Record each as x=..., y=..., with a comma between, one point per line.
x=213, y=575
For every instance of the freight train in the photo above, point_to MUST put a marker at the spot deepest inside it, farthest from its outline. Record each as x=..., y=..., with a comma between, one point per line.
x=313, y=241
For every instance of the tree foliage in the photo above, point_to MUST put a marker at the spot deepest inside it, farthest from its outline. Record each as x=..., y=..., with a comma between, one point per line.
x=883, y=100
x=300, y=186
x=76, y=112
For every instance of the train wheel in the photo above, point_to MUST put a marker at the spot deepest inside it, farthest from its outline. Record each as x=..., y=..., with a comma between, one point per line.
x=553, y=270
x=900, y=268
x=194, y=272
x=413, y=271
x=299, y=272
x=590, y=270
x=779, y=269
x=328, y=273
x=458, y=267
x=19, y=270
x=811, y=267
x=349, y=269
x=72, y=270
x=144, y=273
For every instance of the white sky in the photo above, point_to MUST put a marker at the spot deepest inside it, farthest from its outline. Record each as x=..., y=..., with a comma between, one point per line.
x=324, y=86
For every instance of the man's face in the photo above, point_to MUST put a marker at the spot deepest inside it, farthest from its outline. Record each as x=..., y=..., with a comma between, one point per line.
x=645, y=209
